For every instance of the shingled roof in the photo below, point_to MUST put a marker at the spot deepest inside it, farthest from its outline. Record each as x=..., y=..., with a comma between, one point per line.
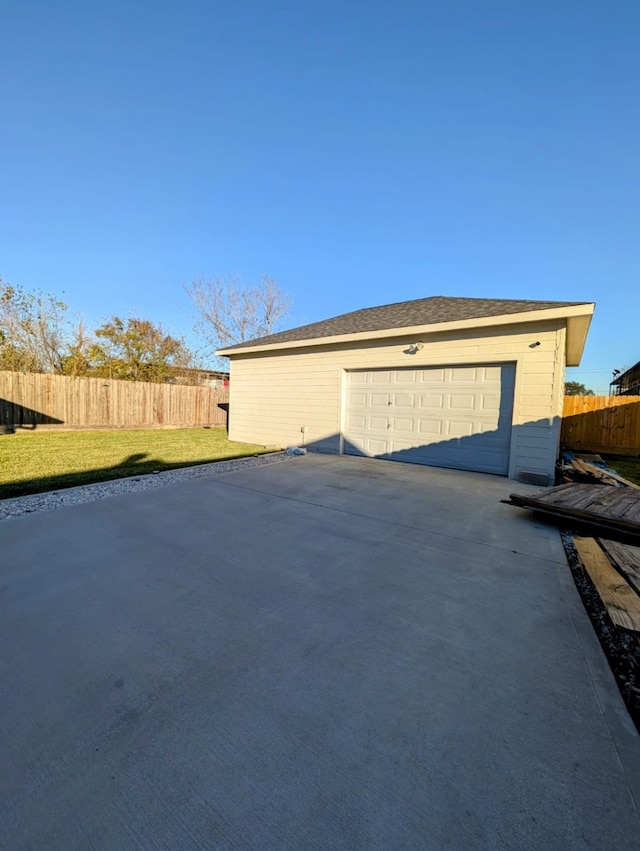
x=405, y=314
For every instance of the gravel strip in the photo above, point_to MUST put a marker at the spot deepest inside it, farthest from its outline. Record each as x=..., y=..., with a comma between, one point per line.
x=89, y=493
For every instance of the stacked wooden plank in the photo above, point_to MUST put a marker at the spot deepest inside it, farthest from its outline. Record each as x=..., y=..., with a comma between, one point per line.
x=597, y=471
x=603, y=508
x=614, y=569
x=626, y=559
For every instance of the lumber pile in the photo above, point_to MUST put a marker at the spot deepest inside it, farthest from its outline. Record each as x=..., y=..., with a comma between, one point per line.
x=592, y=495
x=590, y=469
x=614, y=569
x=603, y=509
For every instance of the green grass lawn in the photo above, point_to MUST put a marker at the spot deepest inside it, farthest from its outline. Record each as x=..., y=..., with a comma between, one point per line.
x=32, y=462
x=628, y=466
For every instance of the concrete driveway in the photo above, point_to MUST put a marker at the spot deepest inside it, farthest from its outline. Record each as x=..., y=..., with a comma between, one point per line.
x=327, y=653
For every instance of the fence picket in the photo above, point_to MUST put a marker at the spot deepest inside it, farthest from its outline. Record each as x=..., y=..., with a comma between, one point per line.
x=609, y=424
x=49, y=401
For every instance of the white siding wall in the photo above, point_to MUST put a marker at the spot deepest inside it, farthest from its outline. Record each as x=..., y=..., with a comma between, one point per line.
x=274, y=394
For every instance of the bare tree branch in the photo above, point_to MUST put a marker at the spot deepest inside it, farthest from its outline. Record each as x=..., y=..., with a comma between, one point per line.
x=231, y=313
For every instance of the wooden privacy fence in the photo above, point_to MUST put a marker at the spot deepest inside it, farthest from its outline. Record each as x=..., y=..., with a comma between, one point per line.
x=601, y=424
x=33, y=400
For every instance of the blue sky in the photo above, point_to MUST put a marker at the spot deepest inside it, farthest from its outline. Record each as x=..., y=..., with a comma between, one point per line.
x=359, y=153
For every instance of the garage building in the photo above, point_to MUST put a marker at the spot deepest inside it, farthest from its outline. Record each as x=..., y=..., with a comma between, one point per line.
x=473, y=384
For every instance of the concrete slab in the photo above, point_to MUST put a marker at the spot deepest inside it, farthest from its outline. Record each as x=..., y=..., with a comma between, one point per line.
x=325, y=653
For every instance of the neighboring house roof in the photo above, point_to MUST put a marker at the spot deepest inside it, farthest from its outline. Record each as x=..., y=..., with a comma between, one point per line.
x=628, y=382
x=197, y=372
x=417, y=314
x=193, y=375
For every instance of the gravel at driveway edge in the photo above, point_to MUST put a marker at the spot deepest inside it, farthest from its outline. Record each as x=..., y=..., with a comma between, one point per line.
x=19, y=505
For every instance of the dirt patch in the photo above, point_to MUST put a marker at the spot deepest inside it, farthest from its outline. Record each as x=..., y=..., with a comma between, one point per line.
x=621, y=646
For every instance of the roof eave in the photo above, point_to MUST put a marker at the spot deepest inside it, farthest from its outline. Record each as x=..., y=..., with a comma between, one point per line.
x=578, y=319
x=577, y=330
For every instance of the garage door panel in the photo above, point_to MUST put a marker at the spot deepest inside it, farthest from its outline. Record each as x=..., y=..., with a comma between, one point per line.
x=381, y=377
x=356, y=421
x=355, y=446
x=492, y=373
x=466, y=374
x=453, y=416
x=402, y=424
x=380, y=400
x=403, y=400
x=378, y=423
x=406, y=376
x=429, y=401
x=430, y=427
x=432, y=376
x=490, y=403
x=457, y=401
x=460, y=429
x=397, y=446
x=489, y=432
x=357, y=399
x=376, y=447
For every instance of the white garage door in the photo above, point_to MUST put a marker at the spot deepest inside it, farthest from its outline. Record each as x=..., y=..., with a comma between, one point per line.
x=457, y=416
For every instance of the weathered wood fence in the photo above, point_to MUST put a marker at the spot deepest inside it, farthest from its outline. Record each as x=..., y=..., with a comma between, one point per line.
x=33, y=400
x=609, y=424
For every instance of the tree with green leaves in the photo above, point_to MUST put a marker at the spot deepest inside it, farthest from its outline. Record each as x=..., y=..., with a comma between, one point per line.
x=33, y=330
x=36, y=335
x=76, y=358
x=135, y=350
x=574, y=388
